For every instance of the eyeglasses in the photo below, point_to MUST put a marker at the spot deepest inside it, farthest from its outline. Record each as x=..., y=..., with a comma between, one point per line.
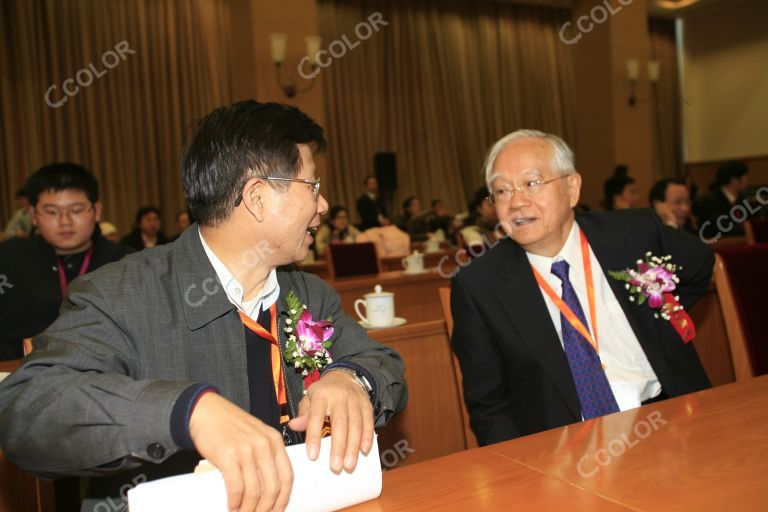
x=531, y=188
x=51, y=214
x=315, y=184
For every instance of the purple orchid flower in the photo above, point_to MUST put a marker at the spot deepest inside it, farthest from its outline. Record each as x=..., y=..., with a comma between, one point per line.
x=312, y=334
x=654, y=282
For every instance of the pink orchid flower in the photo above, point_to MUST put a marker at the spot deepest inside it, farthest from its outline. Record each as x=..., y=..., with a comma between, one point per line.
x=312, y=334
x=654, y=282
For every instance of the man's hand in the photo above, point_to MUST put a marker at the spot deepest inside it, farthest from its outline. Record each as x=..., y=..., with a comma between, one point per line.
x=338, y=396
x=665, y=213
x=249, y=453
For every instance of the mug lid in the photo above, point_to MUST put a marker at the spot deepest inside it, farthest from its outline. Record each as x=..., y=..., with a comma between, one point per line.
x=378, y=293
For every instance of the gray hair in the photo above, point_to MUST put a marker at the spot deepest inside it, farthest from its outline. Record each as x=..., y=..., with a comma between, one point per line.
x=562, y=157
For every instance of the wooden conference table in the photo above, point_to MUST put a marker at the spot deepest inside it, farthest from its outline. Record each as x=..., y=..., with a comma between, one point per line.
x=703, y=451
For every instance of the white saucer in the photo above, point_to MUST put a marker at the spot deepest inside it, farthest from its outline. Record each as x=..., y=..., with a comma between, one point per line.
x=426, y=270
x=397, y=323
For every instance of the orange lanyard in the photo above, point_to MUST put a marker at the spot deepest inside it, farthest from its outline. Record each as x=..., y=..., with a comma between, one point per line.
x=563, y=307
x=277, y=368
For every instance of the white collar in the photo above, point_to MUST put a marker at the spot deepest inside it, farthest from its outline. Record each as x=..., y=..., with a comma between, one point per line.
x=264, y=299
x=570, y=252
x=730, y=197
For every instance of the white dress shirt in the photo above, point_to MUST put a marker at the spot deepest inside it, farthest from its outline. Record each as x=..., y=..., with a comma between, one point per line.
x=629, y=373
x=264, y=299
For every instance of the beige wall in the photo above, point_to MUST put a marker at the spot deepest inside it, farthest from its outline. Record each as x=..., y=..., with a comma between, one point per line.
x=725, y=81
x=255, y=74
x=610, y=131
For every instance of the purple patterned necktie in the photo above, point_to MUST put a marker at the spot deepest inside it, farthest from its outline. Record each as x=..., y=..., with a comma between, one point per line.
x=595, y=395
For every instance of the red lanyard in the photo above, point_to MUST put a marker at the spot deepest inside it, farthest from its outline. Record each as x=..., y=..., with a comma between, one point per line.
x=277, y=368
x=83, y=270
x=563, y=307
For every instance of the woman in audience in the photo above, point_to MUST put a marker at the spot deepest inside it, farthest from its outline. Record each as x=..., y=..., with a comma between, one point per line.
x=147, y=231
x=619, y=190
x=413, y=221
x=480, y=228
x=336, y=230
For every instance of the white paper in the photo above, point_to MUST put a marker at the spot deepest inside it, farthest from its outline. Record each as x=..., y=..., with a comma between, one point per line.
x=315, y=487
x=3, y=375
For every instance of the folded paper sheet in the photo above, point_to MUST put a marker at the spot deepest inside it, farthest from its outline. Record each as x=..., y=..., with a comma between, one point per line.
x=315, y=487
x=3, y=375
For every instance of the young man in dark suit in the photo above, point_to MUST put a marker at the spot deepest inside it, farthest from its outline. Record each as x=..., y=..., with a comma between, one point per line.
x=715, y=211
x=64, y=199
x=544, y=335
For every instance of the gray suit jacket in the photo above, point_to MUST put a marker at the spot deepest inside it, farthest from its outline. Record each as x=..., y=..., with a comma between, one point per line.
x=95, y=396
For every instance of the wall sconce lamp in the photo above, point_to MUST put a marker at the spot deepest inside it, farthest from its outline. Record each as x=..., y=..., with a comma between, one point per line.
x=279, y=43
x=633, y=72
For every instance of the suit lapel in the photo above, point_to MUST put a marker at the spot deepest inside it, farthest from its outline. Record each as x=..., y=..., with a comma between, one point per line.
x=615, y=251
x=524, y=304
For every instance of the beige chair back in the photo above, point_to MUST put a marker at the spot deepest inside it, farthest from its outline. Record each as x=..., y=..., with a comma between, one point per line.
x=469, y=436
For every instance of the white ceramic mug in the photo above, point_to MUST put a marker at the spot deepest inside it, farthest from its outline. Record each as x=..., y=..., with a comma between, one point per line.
x=414, y=263
x=432, y=245
x=379, y=308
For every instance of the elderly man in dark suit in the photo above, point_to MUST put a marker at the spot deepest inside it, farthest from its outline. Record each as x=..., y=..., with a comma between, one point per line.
x=544, y=335
x=200, y=347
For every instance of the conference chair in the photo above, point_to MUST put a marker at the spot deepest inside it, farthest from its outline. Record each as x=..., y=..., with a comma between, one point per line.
x=469, y=436
x=756, y=231
x=741, y=277
x=350, y=260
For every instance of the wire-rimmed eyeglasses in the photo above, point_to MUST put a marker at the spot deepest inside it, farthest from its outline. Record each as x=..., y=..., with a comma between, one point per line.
x=315, y=184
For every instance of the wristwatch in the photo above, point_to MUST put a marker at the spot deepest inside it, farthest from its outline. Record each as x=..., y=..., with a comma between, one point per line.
x=362, y=380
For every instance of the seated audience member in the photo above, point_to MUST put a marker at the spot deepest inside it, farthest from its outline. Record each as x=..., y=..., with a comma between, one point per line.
x=537, y=351
x=411, y=208
x=147, y=230
x=109, y=231
x=65, y=208
x=440, y=219
x=413, y=221
x=335, y=230
x=482, y=221
x=715, y=211
x=167, y=356
x=619, y=191
x=182, y=223
x=21, y=222
x=669, y=199
x=370, y=206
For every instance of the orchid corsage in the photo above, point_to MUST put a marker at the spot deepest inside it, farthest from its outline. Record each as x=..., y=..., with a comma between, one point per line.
x=653, y=281
x=308, y=340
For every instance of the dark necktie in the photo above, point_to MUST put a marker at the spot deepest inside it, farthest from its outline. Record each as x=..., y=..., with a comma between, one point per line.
x=595, y=395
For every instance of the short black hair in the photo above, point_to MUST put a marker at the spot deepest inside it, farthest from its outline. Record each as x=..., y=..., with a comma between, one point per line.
x=61, y=176
x=615, y=184
x=435, y=201
x=335, y=210
x=659, y=189
x=20, y=193
x=370, y=176
x=235, y=143
x=481, y=195
x=729, y=171
x=144, y=210
x=407, y=202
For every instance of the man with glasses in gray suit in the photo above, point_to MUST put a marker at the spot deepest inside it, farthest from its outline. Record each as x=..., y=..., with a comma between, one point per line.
x=179, y=352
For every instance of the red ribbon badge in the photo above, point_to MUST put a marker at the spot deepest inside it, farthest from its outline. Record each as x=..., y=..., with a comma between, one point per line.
x=680, y=320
